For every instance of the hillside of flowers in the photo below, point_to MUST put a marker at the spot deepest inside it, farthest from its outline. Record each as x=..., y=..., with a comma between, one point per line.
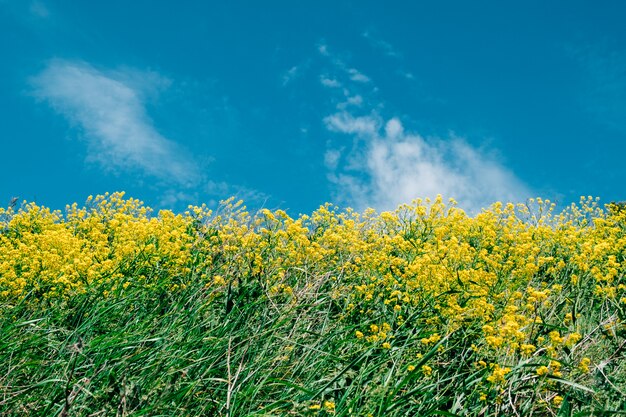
x=113, y=309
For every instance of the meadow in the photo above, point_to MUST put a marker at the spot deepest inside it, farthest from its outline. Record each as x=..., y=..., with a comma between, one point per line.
x=111, y=309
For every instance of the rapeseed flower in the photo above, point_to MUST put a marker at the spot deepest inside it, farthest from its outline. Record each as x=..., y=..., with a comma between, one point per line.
x=506, y=277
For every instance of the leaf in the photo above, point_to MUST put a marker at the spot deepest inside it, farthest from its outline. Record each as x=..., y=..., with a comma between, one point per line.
x=572, y=384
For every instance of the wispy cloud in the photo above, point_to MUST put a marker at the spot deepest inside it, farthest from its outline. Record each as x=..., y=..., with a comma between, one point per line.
x=378, y=43
x=290, y=75
x=331, y=158
x=344, y=122
x=339, y=63
x=406, y=74
x=387, y=49
x=351, y=100
x=109, y=108
x=388, y=166
x=356, y=75
x=215, y=191
x=329, y=82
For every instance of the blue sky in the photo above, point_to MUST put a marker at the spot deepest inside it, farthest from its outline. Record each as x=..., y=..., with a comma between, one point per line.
x=291, y=104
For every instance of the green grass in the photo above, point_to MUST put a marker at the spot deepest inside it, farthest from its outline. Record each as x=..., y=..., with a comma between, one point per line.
x=169, y=354
x=181, y=354
x=184, y=346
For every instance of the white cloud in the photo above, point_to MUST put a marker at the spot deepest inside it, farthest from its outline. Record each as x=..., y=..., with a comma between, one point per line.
x=172, y=198
x=323, y=49
x=386, y=165
x=329, y=82
x=350, y=100
x=355, y=100
x=394, y=129
x=290, y=75
x=223, y=190
x=110, y=110
x=331, y=158
x=356, y=75
x=344, y=122
x=391, y=166
x=378, y=43
x=406, y=74
x=344, y=80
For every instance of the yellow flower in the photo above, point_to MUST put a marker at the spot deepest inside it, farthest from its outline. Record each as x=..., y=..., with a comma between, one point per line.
x=528, y=349
x=572, y=339
x=427, y=370
x=583, y=366
x=410, y=368
x=498, y=374
x=359, y=335
x=555, y=337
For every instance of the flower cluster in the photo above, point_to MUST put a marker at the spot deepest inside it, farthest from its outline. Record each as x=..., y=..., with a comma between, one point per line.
x=528, y=289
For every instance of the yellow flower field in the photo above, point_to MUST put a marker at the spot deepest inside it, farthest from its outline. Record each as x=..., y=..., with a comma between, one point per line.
x=524, y=306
